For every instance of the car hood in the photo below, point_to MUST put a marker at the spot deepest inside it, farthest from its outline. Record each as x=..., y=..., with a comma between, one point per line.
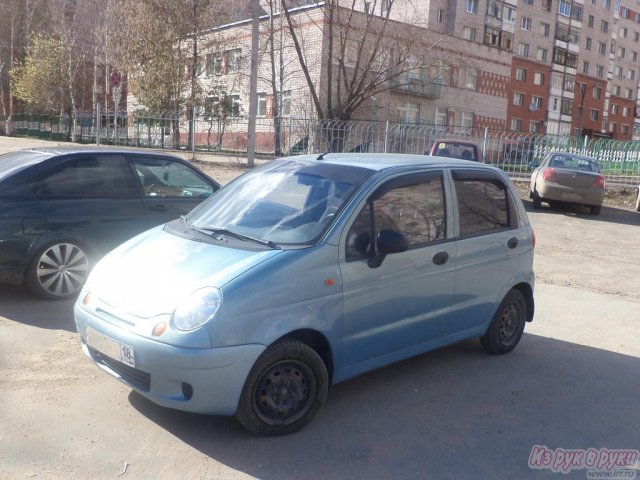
x=151, y=273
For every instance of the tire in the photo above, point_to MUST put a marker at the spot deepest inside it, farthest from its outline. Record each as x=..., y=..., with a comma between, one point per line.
x=596, y=209
x=58, y=271
x=507, y=325
x=536, y=200
x=284, y=390
x=638, y=201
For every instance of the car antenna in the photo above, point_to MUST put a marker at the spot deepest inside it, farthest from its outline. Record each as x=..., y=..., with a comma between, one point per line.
x=321, y=156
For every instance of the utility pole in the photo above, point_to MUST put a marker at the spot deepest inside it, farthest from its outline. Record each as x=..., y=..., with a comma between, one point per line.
x=253, y=85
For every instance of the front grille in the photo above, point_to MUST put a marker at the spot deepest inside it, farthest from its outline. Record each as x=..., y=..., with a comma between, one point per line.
x=139, y=379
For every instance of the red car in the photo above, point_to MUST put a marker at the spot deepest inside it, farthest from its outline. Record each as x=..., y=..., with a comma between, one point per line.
x=455, y=149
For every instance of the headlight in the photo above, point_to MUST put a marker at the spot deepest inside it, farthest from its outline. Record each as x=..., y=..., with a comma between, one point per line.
x=197, y=309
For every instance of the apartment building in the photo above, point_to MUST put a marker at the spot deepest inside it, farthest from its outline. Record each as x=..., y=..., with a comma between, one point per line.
x=562, y=67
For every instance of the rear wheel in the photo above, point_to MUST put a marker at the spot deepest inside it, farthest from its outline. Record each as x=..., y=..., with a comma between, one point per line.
x=536, y=200
x=596, y=209
x=507, y=325
x=638, y=201
x=284, y=390
x=58, y=271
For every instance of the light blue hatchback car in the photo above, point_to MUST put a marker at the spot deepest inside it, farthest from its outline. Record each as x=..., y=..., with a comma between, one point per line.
x=306, y=272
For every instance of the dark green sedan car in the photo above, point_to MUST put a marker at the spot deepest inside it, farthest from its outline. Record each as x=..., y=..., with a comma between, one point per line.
x=62, y=209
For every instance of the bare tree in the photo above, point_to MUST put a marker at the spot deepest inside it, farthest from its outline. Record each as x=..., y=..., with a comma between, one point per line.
x=365, y=54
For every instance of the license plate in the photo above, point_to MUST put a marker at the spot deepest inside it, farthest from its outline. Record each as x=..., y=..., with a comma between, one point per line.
x=108, y=346
x=572, y=196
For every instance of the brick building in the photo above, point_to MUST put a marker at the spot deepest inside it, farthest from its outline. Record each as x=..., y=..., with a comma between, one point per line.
x=541, y=66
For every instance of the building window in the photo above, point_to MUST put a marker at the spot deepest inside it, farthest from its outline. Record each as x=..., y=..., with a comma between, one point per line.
x=234, y=58
x=617, y=90
x=538, y=78
x=525, y=23
x=599, y=71
x=602, y=48
x=523, y=49
x=469, y=33
x=516, y=124
x=562, y=57
x=536, y=103
x=541, y=55
x=518, y=99
x=593, y=115
x=566, y=106
x=409, y=113
x=213, y=64
x=262, y=105
x=604, y=26
x=632, y=74
x=472, y=6
x=596, y=92
x=564, y=8
x=545, y=29
x=585, y=67
x=441, y=15
x=634, y=56
x=590, y=21
x=587, y=44
x=619, y=72
x=569, y=83
x=624, y=32
x=468, y=78
x=286, y=103
x=521, y=74
x=441, y=117
x=509, y=14
x=466, y=119
x=554, y=104
x=535, y=126
x=614, y=108
x=624, y=129
x=629, y=93
x=621, y=52
x=625, y=111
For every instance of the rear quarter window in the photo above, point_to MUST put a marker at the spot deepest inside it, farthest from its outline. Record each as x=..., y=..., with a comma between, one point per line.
x=485, y=204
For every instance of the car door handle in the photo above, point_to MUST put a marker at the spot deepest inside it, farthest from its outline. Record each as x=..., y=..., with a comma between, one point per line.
x=440, y=258
x=512, y=243
x=158, y=208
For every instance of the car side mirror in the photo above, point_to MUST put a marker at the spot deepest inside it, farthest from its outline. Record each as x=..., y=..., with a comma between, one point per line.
x=389, y=241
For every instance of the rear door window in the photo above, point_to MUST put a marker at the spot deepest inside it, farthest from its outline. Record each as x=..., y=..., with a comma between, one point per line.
x=485, y=204
x=86, y=176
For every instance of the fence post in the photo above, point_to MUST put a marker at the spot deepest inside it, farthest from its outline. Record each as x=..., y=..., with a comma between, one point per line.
x=484, y=144
x=386, y=136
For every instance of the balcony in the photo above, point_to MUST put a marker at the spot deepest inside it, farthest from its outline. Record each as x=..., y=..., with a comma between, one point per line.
x=417, y=87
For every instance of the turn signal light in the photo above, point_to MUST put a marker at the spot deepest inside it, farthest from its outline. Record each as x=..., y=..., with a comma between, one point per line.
x=159, y=329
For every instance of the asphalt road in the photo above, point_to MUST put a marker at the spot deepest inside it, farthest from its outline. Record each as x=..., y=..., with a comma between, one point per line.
x=456, y=413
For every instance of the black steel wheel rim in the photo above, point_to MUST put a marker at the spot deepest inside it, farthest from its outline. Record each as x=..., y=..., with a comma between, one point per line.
x=508, y=324
x=284, y=392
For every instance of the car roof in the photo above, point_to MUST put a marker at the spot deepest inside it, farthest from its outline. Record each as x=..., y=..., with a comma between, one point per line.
x=382, y=161
x=454, y=141
x=15, y=161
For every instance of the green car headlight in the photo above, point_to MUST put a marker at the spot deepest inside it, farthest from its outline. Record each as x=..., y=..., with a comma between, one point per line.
x=197, y=309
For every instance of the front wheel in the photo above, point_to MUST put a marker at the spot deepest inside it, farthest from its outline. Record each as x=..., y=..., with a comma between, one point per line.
x=536, y=200
x=596, y=209
x=284, y=390
x=58, y=271
x=507, y=325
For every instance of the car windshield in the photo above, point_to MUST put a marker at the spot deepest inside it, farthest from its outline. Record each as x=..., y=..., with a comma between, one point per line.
x=285, y=202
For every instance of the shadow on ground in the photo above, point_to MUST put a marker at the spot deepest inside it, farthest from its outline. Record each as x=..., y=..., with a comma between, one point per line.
x=452, y=413
x=17, y=304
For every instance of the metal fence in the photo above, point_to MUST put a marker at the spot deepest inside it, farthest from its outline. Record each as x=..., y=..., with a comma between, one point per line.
x=511, y=151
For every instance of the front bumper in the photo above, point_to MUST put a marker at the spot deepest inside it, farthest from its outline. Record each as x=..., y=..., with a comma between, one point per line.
x=200, y=380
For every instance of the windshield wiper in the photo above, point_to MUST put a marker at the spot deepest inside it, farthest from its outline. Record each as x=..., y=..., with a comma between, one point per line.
x=241, y=236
